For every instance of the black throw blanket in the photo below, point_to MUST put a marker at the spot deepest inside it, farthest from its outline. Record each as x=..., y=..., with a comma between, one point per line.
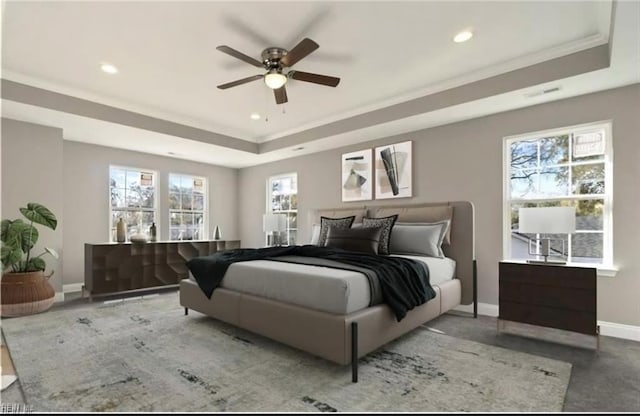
x=404, y=282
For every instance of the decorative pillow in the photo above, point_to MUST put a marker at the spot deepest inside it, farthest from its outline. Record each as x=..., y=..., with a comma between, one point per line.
x=315, y=234
x=423, y=214
x=363, y=240
x=387, y=224
x=424, y=239
x=325, y=223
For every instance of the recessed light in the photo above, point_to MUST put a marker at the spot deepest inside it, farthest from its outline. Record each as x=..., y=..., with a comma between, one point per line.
x=255, y=116
x=108, y=68
x=463, y=36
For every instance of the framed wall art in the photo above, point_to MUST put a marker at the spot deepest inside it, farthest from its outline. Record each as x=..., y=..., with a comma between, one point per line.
x=393, y=171
x=357, y=176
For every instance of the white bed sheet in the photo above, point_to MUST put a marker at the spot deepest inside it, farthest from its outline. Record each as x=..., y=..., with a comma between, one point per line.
x=325, y=289
x=440, y=269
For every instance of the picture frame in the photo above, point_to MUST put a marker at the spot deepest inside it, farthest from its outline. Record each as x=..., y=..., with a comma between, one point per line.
x=357, y=176
x=393, y=171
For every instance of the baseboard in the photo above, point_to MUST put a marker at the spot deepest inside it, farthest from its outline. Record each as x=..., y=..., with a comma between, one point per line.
x=612, y=329
x=486, y=309
x=609, y=329
x=59, y=297
x=72, y=288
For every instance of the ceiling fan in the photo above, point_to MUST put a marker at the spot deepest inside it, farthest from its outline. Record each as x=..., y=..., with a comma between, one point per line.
x=274, y=61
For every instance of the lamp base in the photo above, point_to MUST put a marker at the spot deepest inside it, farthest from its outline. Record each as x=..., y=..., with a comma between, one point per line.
x=549, y=262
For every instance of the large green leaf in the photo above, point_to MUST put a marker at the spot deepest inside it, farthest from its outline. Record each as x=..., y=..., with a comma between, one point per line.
x=36, y=264
x=5, y=228
x=10, y=256
x=21, y=235
x=39, y=214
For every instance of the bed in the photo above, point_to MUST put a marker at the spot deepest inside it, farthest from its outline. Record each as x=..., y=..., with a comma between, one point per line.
x=330, y=324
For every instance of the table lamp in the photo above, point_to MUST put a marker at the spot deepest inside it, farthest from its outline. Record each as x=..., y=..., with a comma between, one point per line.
x=546, y=220
x=274, y=224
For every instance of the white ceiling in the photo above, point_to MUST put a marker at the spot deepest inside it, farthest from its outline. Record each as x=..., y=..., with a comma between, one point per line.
x=384, y=52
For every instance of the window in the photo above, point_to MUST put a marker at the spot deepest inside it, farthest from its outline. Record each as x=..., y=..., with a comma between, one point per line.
x=187, y=207
x=282, y=198
x=133, y=198
x=569, y=167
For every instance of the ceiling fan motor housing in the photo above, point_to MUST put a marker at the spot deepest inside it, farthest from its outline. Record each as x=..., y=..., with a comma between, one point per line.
x=271, y=57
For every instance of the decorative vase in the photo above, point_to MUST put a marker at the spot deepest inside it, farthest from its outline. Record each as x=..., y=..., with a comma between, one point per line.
x=121, y=231
x=153, y=232
x=216, y=233
x=25, y=294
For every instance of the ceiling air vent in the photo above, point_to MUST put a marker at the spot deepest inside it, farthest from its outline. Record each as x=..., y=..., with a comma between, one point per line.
x=542, y=92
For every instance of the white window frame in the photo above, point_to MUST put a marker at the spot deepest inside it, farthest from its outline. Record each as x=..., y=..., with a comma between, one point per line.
x=269, y=209
x=156, y=210
x=205, y=205
x=606, y=268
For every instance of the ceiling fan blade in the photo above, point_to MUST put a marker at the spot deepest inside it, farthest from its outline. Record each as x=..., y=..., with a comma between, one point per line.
x=315, y=78
x=240, y=82
x=302, y=49
x=240, y=55
x=281, y=95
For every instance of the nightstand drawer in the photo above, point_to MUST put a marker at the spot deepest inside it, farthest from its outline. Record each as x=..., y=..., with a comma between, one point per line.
x=557, y=276
x=577, y=321
x=556, y=297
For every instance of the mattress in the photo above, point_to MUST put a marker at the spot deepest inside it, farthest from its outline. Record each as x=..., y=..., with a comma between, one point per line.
x=321, y=288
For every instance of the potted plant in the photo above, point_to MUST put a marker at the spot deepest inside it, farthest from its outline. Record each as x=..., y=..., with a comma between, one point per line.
x=25, y=288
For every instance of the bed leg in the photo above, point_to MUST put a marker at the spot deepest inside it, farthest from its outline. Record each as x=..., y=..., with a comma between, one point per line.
x=475, y=289
x=186, y=311
x=354, y=352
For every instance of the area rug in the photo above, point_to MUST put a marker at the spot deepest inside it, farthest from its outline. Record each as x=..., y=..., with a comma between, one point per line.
x=145, y=355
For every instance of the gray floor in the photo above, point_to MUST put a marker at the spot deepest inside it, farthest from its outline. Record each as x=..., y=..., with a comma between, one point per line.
x=608, y=381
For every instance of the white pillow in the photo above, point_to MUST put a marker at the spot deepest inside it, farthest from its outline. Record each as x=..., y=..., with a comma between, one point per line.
x=424, y=239
x=315, y=234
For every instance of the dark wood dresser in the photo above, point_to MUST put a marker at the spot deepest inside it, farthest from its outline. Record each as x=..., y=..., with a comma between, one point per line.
x=113, y=268
x=554, y=296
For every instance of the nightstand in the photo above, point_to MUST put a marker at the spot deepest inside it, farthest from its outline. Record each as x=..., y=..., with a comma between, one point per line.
x=552, y=296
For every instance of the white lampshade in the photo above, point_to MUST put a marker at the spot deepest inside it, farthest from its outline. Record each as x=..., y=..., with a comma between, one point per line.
x=274, y=222
x=547, y=220
x=275, y=79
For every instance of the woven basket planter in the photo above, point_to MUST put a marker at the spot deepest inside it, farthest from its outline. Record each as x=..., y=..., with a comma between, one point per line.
x=25, y=294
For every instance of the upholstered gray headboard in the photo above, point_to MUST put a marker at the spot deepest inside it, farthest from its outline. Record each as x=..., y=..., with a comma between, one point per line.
x=461, y=247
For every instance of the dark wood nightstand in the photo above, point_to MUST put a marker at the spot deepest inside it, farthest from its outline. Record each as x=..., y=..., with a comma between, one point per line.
x=553, y=296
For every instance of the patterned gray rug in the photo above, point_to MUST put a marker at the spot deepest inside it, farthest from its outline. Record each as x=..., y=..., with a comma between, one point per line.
x=145, y=355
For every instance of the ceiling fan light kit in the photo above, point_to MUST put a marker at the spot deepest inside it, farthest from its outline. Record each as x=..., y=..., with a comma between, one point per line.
x=274, y=60
x=274, y=79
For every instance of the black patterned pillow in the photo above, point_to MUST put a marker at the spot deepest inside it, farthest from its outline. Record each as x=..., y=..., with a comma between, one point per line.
x=385, y=237
x=340, y=223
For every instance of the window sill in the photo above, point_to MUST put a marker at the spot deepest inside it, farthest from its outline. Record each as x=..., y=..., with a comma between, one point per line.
x=603, y=270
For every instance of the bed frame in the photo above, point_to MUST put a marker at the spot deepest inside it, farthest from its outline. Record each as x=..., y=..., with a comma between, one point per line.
x=345, y=338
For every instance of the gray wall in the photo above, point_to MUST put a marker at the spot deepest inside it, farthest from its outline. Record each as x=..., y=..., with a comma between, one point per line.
x=463, y=161
x=86, y=186
x=32, y=172
x=72, y=179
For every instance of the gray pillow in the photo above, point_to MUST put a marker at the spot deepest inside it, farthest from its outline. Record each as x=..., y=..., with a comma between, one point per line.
x=387, y=224
x=325, y=223
x=424, y=239
x=363, y=240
